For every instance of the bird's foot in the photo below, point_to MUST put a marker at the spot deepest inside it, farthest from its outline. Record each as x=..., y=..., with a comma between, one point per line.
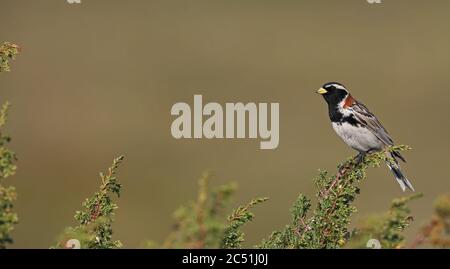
x=359, y=158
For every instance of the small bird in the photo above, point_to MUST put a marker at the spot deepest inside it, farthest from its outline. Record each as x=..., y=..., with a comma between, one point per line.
x=359, y=128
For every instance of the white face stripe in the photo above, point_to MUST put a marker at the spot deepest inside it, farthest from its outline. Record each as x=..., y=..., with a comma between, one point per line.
x=338, y=86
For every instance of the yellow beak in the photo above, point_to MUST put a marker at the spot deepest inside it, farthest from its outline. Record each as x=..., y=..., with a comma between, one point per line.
x=321, y=91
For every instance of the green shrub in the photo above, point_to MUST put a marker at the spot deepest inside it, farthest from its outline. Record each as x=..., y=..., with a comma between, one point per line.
x=95, y=220
x=8, y=219
x=8, y=51
x=387, y=228
x=200, y=223
x=436, y=233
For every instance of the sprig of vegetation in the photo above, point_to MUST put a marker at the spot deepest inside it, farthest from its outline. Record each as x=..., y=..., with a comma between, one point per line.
x=8, y=218
x=95, y=220
x=387, y=228
x=327, y=227
x=8, y=51
x=8, y=194
x=437, y=232
x=200, y=223
x=7, y=157
x=233, y=236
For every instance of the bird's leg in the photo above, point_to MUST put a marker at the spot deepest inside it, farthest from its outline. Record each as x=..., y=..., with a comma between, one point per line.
x=359, y=158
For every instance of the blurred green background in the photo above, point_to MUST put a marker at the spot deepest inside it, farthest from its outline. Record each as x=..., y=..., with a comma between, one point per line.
x=97, y=79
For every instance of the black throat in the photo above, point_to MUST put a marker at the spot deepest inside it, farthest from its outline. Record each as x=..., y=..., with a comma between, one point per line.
x=334, y=113
x=333, y=100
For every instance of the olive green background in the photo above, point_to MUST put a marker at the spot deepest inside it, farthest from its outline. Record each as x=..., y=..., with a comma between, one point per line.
x=97, y=79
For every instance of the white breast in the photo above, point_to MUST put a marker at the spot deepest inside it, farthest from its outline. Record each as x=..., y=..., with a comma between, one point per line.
x=358, y=138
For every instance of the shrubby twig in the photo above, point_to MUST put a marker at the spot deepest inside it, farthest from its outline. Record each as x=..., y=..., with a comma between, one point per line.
x=95, y=220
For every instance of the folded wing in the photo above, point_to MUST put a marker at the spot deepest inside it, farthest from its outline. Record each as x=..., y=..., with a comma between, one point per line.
x=367, y=119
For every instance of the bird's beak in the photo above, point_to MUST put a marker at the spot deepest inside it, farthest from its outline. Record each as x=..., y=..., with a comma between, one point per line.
x=321, y=91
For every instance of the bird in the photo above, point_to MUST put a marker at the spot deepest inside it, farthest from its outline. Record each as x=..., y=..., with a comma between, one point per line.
x=360, y=129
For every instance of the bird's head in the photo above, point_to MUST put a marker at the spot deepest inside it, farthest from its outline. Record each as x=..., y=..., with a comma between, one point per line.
x=333, y=93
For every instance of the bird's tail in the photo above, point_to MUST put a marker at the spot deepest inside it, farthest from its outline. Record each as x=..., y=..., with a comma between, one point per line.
x=393, y=165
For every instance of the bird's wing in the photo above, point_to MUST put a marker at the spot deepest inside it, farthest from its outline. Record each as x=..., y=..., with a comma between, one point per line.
x=367, y=119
